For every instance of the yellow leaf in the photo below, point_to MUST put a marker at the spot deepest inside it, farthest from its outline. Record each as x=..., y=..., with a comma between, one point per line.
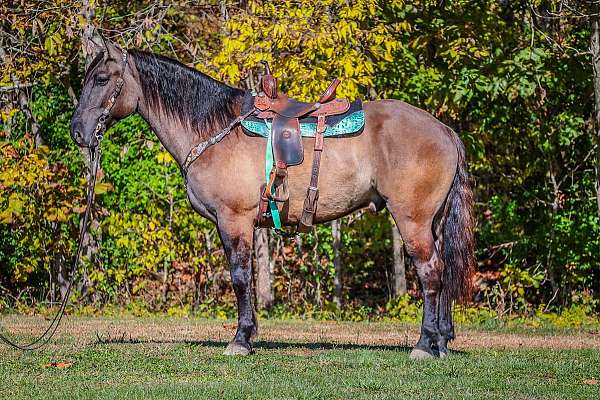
x=164, y=157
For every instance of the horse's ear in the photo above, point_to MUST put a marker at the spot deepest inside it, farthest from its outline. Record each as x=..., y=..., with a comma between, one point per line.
x=113, y=50
x=92, y=46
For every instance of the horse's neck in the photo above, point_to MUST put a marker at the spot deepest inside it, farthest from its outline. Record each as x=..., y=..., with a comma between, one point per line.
x=177, y=138
x=171, y=123
x=175, y=134
x=172, y=133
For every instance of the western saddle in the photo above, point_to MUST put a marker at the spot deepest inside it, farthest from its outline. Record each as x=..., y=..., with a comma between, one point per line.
x=287, y=147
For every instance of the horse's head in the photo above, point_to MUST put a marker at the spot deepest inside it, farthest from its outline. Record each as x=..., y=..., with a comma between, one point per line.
x=108, y=67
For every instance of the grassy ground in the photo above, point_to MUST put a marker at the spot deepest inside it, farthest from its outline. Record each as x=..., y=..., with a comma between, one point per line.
x=181, y=359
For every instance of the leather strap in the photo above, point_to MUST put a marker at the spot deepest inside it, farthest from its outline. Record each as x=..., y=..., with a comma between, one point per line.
x=197, y=150
x=312, y=194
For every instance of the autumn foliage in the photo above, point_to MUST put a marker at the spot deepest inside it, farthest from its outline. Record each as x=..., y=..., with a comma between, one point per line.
x=518, y=90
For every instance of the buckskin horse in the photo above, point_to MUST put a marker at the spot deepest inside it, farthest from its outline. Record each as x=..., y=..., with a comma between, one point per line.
x=405, y=160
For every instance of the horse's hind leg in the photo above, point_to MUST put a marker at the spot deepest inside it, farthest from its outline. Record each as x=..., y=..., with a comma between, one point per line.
x=445, y=322
x=420, y=245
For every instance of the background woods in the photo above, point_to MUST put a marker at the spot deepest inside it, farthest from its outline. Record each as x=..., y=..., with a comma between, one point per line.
x=517, y=79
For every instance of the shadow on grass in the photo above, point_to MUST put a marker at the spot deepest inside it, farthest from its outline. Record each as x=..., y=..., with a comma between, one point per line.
x=261, y=344
x=264, y=344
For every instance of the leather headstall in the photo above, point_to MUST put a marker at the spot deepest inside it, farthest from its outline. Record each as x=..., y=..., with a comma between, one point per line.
x=101, y=125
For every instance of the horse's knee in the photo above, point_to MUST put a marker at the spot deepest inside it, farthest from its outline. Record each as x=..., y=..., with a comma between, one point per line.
x=239, y=251
x=420, y=246
x=417, y=237
x=240, y=278
x=240, y=258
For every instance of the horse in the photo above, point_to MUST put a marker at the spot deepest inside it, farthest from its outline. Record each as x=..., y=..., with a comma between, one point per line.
x=405, y=160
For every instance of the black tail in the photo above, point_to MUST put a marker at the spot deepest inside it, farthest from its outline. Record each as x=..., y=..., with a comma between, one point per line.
x=459, y=226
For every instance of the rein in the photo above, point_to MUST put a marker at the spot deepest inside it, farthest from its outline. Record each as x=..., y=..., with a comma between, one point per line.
x=51, y=330
x=99, y=131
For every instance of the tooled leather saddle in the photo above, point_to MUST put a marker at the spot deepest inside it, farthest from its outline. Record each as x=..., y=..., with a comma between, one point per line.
x=285, y=114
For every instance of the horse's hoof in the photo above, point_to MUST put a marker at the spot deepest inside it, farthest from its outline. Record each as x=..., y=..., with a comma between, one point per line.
x=441, y=351
x=236, y=349
x=418, y=354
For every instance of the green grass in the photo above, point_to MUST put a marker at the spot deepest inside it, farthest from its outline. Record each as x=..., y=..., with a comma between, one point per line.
x=171, y=366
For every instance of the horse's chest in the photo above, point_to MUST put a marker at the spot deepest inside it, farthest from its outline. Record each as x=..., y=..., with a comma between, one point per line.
x=200, y=206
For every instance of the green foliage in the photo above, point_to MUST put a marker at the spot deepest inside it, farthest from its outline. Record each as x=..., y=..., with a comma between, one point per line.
x=40, y=208
x=301, y=39
x=402, y=309
x=523, y=107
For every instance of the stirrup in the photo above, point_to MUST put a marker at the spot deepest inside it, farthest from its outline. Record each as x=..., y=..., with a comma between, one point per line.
x=278, y=179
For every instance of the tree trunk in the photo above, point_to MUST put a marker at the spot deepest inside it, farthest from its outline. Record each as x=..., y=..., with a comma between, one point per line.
x=399, y=277
x=62, y=274
x=165, y=284
x=336, y=232
x=88, y=11
x=595, y=47
x=264, y=287
x=23, y=100
x=36, y=131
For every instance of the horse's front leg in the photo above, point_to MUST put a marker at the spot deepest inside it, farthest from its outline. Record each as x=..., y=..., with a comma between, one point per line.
x=237, y=237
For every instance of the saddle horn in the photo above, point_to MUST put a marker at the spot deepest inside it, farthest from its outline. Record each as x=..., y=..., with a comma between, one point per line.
x=269, y=82
x=329, y=94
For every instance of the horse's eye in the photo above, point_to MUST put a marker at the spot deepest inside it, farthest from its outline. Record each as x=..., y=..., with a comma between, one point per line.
x=101, y=80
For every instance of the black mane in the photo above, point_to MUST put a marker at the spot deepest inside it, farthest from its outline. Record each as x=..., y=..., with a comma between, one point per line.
x=185, y=93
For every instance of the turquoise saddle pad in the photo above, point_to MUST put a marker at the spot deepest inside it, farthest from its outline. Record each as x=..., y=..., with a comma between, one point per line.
x=351, y=124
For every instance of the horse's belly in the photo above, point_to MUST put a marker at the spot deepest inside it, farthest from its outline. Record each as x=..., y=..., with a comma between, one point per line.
x=346, y=180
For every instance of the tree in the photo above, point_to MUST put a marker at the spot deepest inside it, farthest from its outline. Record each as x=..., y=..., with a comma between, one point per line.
x=577, y=13
x=336, y=233
x=300, y=40
x=264, y=279
x=594, y=16
x=399, y=272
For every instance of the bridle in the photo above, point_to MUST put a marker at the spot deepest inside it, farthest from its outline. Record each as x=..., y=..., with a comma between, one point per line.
x=101, y=125
x=94, y=154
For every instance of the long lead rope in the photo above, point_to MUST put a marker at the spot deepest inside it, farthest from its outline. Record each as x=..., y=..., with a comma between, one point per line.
x=51, y=330
x=94, y=162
